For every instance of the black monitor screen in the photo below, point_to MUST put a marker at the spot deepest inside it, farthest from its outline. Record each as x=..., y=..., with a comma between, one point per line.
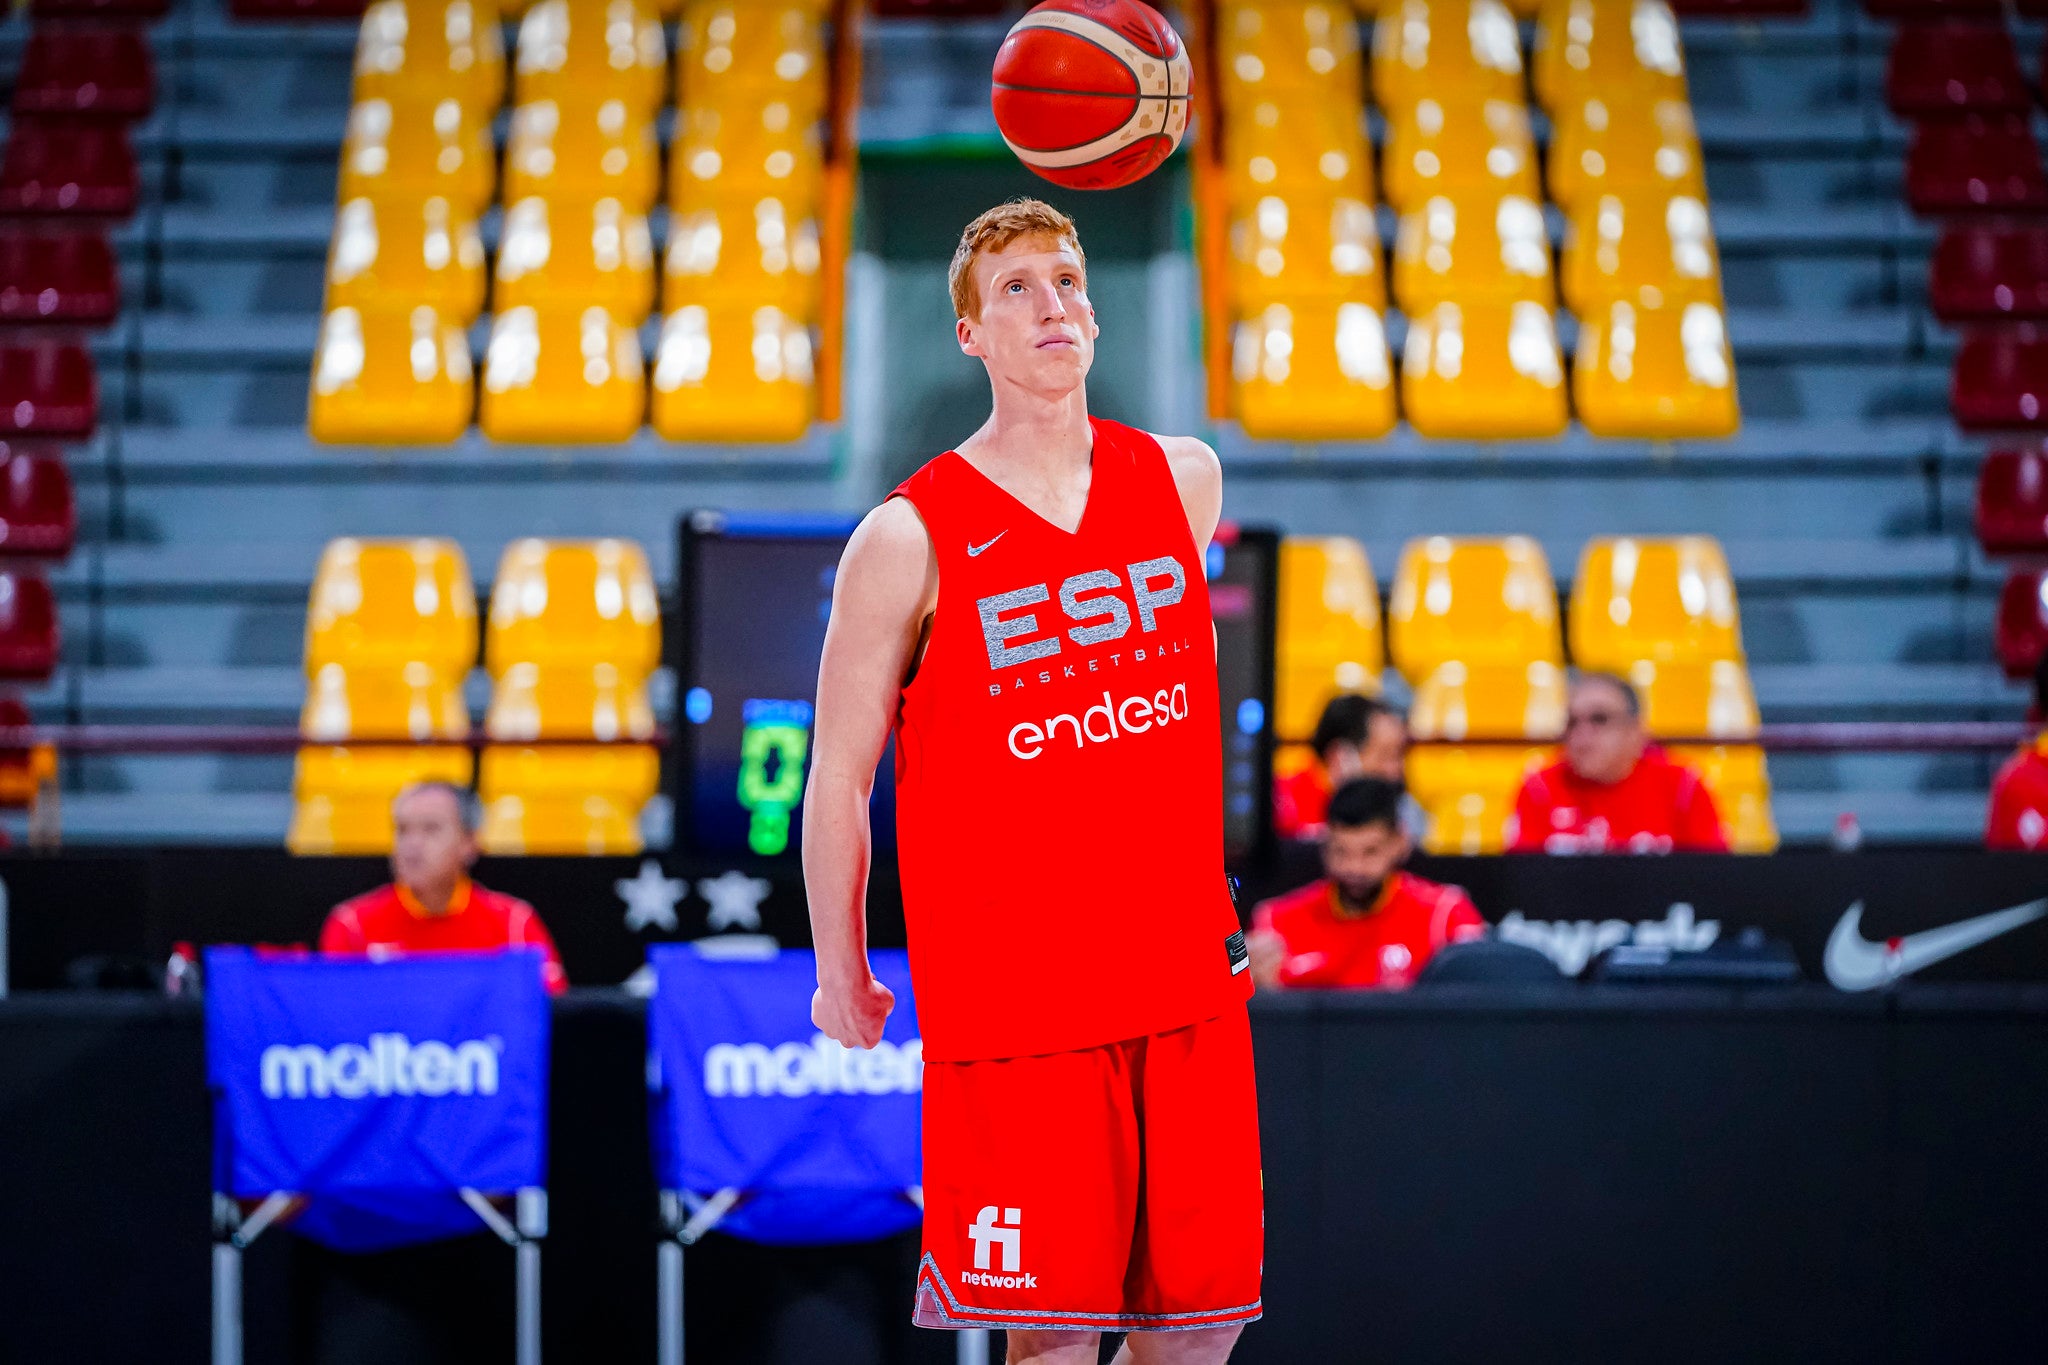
x=754, y=596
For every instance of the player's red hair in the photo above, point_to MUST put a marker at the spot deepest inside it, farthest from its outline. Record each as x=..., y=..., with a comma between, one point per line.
x=996, y=229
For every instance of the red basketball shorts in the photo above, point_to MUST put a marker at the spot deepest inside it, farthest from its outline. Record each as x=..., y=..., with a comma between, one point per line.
x=1114, y=1189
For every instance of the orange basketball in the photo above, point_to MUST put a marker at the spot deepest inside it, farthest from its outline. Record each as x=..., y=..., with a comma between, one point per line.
x=1092, y=94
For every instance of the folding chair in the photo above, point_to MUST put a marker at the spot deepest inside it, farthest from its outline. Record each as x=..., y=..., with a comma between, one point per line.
x=842, y=1165
x=374, y=1105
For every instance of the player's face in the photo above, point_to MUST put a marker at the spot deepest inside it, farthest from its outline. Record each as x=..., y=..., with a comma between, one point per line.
x=1602, y=741
x=430, y=847
x=1359, y=861
x=1037, y=327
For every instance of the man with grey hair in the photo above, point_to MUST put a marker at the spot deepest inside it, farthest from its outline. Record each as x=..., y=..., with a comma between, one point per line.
x=1613, y=791
x=431, y=905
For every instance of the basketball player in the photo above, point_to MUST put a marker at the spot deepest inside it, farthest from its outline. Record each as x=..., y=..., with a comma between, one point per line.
x=1029, y=615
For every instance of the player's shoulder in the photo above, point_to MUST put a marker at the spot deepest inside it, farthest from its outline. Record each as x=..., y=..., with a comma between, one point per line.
x=1190, y=457
x=1301, y=900
x=358, y=910
x=502, y=903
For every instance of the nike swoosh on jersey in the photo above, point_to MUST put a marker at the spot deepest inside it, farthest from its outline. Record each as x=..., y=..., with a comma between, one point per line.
x=1854, y=963
x=973, y=550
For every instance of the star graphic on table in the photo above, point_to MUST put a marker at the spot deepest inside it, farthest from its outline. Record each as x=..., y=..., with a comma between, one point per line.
x=651, y=898
x=735, y=900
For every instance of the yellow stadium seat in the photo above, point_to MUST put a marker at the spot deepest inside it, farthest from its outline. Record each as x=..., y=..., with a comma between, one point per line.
x=563, y=374
x=1474, y=250
x=1328, y=638
x=390, y=376
x=1625, y=49
x=1665, y=600
x=580, y=152
x=402, y=253
x=729, y=55
x=392, y=603
x=1309, y=371
x=759, y=250
x=1656, y=373
x=1328, y=249
x=732, y=156
x=591, y=50
x=1468, y=792
x=1297, y=149
x=432, y=48
x=412, y=701
x=566, y=799
x=574, y=603
x=1463, y=148
x=1473, y=601
x=1696, y=699
x=1740, y=782
x=1603, y=146
x=399, y=150
x=553, y=257
x=569, y=701
x=1483, y=372
x=1455, y=50
x=1307, y=47
x=342, y=796
x=1653, y=250
x=731, y=371
x=1459, y=700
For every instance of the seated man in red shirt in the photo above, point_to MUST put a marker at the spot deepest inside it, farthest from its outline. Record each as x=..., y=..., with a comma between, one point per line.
x=1356, y=737
x=1613, y=791
x=2019, y=794
x=431, y=905
x=1367, y=923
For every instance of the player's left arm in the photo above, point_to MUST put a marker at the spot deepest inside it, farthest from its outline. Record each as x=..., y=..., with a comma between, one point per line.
x=1198, y=474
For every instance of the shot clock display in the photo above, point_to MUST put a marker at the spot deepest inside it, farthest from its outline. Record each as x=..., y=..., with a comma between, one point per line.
x=754, y=596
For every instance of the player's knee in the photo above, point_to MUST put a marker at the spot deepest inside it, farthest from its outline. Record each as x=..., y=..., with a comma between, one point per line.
x=1051, y=1348
x=1206, y=1346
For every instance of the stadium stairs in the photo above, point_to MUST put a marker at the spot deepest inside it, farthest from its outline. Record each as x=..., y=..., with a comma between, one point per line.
x=1844, y=503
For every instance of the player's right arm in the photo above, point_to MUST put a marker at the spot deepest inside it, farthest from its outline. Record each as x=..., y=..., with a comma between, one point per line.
x=887, y=584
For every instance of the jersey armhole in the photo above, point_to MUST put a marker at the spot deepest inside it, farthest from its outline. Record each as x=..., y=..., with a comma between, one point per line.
x=929, y=625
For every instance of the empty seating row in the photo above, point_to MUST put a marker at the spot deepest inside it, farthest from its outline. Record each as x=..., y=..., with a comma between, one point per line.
x=1311, y=371
x=572, y=636
x=1473, y=627
x=1647, y=247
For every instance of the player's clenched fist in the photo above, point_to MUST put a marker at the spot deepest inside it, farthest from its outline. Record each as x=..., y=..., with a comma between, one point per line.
x=853, y=1016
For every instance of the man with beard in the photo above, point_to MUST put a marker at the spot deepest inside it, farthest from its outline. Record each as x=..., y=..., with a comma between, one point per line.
x=1366, y=923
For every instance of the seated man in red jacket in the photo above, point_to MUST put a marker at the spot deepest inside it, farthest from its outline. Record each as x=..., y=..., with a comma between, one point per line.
x=1367, y=923
x=2019, y=794
x=1355, y=737
x=1613, y=791
x=431, y=905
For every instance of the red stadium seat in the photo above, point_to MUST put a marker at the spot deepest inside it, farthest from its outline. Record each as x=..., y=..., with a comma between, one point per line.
x=2001, y=380
x=2012, y=502
x=47, y=390
x=1989, y=273
x=37, y=513
x=28, y=627
x=2022, y=631
x=98, y=9
x=61, y=277
x=86, y=71
x=1975, y=163
x=54, y=166
x=1954, y=68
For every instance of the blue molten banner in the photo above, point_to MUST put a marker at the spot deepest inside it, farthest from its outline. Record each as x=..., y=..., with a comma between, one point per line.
x=819, y=1142
x=378, y=1090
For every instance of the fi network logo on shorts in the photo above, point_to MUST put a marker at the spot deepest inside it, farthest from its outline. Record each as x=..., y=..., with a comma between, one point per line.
x=1007, y=1234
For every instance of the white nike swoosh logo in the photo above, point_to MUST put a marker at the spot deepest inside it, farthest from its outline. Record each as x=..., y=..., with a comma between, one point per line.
x=1854, y=963
x=973, y=550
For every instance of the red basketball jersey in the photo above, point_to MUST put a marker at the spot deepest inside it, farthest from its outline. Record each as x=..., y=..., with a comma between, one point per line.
x=1059, y=783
